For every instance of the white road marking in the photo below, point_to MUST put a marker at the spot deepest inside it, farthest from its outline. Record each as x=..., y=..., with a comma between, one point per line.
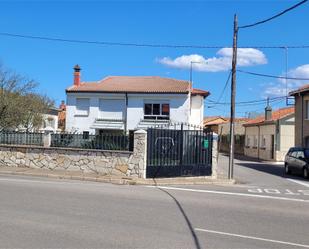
x=299, y=182
x=230, y=193
x=252, y=237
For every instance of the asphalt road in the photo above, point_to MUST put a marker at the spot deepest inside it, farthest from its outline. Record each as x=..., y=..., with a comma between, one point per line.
x=45, y=213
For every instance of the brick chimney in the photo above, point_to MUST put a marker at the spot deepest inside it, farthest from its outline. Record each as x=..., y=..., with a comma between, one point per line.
x=62, y=106
x=268, y=111
x=77, y=75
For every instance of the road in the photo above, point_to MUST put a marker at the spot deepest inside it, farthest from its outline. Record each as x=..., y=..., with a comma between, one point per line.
x=44, y=213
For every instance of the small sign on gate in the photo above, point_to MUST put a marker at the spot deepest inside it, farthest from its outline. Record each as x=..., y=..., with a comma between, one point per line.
x=205, y=143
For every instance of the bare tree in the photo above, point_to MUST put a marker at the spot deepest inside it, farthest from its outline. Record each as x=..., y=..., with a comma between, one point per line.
x=20, y=105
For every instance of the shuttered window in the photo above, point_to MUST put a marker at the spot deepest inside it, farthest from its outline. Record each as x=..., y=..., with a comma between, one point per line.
x=82, y=106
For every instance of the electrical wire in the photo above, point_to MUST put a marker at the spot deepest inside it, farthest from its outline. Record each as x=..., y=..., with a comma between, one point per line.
x=152, y=45
x=108, y=43
x=225, y=86
x=271, y=76
x=259, y=101
x=273, y=17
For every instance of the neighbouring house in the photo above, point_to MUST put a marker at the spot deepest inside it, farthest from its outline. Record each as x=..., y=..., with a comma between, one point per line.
x=239, y=135
x=212, y=123
x=269, y=137
x=50, y=120
x=301, y=96
x=128, y=103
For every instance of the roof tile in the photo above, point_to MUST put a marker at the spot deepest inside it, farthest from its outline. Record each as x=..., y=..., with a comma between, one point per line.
x=137, y=84
x=276, y=115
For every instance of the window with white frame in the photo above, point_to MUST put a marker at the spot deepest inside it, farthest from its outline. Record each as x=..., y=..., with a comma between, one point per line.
x=82, y=106
x=263, y=141
x=248, y=141
x=111, y=108
x=157, y=111
x=255, y=141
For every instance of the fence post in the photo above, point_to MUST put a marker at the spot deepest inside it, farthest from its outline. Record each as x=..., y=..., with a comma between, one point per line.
x=47, y=138
x=140, y=152
x=214, y=155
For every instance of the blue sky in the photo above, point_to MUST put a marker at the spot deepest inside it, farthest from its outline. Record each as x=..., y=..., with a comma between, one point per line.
x=158, y=22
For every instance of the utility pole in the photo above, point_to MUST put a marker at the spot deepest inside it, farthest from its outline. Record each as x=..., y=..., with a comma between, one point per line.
x=233, y=93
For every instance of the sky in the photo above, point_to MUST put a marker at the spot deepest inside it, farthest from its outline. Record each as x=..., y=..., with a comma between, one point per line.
x=206, y=23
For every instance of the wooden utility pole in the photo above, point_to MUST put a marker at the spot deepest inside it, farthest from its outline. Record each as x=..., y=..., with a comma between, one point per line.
x=233, y=94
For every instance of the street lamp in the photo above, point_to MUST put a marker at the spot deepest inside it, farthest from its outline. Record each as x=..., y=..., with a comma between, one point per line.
x=191, y=83
x=191, y=67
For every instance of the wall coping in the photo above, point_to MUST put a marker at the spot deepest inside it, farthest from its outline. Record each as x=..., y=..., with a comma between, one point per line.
x=62, y=148
x=140, y=132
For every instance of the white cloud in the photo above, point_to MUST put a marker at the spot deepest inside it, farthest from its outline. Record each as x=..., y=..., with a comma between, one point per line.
x=282, y=86
x=222, y=62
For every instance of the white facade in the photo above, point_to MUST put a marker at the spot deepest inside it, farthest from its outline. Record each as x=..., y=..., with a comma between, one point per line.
x=91, y=112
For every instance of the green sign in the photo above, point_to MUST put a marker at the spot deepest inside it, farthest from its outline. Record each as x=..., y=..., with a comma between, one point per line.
x=205, y=143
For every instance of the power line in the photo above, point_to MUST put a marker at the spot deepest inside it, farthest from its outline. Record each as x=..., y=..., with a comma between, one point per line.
x=152, y=45
x=259, y=101
x=225, y=86
x=271, y=76
x=273, y=17
x=273, y=102
x=108, y=43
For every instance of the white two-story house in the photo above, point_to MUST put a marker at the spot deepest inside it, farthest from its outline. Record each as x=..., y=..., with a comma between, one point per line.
x=128, y=103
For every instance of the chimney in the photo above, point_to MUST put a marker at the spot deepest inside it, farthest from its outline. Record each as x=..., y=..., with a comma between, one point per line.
x=62, y=106
x=268, y=111
x=77, y=75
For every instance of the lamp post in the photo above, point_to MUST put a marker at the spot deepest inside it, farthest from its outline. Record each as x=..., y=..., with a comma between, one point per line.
x=191, y=68
x=191, y=82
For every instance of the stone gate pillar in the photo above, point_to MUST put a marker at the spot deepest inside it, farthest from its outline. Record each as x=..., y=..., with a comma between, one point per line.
x=215, y=155
x=140, y=152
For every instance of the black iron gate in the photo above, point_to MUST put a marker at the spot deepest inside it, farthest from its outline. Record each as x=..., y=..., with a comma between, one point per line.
x=173, y=153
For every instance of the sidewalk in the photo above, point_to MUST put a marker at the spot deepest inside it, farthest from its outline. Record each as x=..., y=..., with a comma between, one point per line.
x=74, y=175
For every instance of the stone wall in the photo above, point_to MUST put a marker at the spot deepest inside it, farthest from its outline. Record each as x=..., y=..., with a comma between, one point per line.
x=123, y=163
x=102, y=162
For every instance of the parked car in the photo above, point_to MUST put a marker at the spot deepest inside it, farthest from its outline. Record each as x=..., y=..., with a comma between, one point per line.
x=297, y=161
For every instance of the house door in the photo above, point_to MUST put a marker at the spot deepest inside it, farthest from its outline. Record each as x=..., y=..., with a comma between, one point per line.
x=272, y=147
x=307, y=142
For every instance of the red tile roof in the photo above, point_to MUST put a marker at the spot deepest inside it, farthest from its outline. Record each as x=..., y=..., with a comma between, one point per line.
x=304, y=88
x=214, y=120
x=196, y=91
x=276, y=115
x=137, y=84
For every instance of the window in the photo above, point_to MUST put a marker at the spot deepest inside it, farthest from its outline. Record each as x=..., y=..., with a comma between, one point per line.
x=248, y=141
x=263, y=142
x=111, y=108
x=82, y=106
x=300, y=154
x=49, y=122
x=294, y=154
x=255, y=142
x=307, y=109
x=156, y=111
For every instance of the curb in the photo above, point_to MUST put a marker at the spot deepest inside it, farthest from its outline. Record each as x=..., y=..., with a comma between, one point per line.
x=126, y=180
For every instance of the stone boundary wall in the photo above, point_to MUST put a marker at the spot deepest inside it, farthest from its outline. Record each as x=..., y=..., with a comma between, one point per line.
x=102, y=162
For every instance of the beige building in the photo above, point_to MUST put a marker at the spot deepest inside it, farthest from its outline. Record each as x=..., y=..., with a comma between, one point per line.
x=213, y=123
x=301, y=116
x=239, y=131
x=269, y=137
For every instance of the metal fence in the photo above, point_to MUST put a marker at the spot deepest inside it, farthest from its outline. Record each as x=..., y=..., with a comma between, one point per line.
x=21, y=138
x=85, y=141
